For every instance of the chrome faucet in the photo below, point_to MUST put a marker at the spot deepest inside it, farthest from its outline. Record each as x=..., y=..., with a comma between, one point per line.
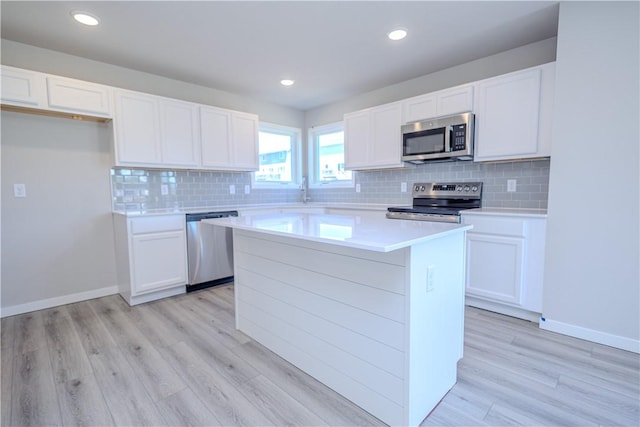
x=305, y=190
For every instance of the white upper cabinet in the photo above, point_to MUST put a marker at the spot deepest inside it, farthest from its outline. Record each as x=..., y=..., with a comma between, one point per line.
x=513, y=115
x=229, y=139
x=23, y=88
x=137, y=129
x=180, y=137
x=155, y=131
x=30, y=89
x=76, y=96
x=437, y=104
x=372, y=138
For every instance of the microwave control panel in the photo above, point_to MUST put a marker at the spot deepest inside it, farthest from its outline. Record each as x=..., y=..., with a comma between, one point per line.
x=458, y=136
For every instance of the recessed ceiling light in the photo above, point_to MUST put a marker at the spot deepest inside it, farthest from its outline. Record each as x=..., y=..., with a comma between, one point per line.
x=287, y=82
x=397, y=34
x=85, y=18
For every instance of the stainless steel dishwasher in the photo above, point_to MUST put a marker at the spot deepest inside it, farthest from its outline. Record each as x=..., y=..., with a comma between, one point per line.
x=209, y=251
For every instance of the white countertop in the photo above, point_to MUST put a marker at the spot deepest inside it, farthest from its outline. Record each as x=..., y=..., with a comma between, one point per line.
x=532, y=213
x=249, y=208
x=369, y=232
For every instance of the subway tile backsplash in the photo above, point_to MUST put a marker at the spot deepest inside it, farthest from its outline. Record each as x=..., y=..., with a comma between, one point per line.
x=142, y=189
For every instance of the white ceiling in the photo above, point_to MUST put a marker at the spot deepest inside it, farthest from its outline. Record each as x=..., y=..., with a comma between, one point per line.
x=332, y=49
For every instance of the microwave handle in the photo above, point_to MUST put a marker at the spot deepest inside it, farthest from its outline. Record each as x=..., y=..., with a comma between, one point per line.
x=447, y=138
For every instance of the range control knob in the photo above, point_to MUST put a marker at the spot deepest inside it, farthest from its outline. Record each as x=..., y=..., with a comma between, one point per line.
x=474, y=188
x=422, y=188
x=416, y=188
x=459, y=188
x=466, y=188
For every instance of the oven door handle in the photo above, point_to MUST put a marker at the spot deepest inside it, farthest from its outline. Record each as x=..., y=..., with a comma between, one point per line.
x=448, y=130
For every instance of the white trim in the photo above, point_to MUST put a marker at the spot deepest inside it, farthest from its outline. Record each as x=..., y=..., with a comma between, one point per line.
x=56, y=301
x=599, y=337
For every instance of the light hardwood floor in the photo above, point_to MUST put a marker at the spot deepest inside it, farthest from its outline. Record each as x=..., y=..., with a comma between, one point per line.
x=179, y=361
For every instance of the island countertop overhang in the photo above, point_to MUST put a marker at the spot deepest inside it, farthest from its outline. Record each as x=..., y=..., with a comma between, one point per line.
x=368, y=232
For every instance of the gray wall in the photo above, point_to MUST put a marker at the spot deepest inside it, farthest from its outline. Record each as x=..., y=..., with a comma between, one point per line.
x=59, y=239
x=592, y=282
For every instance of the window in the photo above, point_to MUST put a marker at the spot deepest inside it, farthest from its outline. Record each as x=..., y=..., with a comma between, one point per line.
x=327, y=159
x=278, y=157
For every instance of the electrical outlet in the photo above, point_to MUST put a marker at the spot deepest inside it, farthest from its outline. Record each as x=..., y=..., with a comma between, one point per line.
x=357, y=188
x=164, y=189
x=247, y=189
x=511, y=185
x=19, y=190
x=232, y=189
x=403, y=187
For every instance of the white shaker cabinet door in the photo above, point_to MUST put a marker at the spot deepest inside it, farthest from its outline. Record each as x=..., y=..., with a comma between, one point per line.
x=23, y=88
x=420, y=108
x=507, y=116
x=244, y=131
x=159, y=261
x=455, y=100
x=215, y=134
x=495, y=267
x=137, y=129
x=80, y=97
x=386, y=139
x=180, y=133
x=357, y=136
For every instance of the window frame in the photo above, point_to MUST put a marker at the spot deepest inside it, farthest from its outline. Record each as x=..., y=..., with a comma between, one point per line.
x=313, y=149
x=296, y=157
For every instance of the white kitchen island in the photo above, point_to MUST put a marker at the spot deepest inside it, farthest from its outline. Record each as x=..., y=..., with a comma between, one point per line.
x=371, y=307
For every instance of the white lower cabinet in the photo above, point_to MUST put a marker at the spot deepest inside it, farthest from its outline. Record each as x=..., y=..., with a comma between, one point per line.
x=505, y=264
x=151, y=254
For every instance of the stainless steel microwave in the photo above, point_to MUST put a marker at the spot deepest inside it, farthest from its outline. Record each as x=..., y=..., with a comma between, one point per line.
x=442, y=138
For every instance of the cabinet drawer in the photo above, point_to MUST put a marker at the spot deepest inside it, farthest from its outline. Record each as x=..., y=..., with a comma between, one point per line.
x=501, y=226
x=154, y=224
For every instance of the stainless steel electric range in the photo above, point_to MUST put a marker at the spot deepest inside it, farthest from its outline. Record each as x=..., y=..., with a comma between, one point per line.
x=439, y=202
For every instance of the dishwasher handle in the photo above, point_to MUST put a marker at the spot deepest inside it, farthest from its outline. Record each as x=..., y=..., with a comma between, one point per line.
x=209, y=215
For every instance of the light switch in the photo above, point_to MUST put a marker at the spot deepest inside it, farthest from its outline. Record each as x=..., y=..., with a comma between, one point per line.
x=357, y=188
x=511, y=185
x=19, y=190
x=403, y=187
x=232, y=189
x=164, y=189
x=247, y=189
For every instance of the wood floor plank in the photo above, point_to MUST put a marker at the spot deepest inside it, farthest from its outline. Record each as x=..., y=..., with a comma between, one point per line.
x=92, y=332
x=68, y=358
x=184, y=408
x=7, y=333
x=157, y=376
x=6, y=379
x=126, y=397
x=34, y=400
x=217, y=392
x=280, y=407
x=82, y=403
x=207, y=344
x=29, y=332
x=324, y=402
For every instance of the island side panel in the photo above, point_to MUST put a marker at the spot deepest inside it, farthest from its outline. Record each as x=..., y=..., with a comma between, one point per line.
x=336, y=313
x=435, y=320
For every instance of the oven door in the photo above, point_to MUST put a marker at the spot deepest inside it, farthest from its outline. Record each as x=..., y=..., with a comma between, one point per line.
x=428, y=144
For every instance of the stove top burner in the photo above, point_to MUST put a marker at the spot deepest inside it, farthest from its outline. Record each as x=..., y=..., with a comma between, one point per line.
x=440, y=202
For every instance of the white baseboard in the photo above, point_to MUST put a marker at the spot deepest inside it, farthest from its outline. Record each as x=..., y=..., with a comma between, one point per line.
x=56, y=301
x=599, y=337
